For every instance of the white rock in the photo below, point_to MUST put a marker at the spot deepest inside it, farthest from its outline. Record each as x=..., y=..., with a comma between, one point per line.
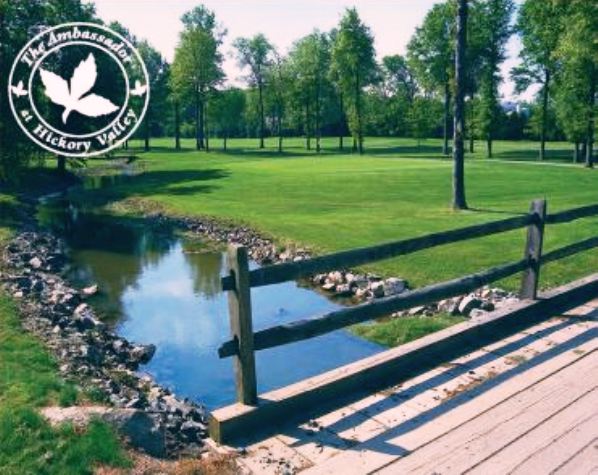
x=393, y=286
x=335, y=277
x=81, y=310
x=35, y=262
x=91, y=290
x=377, y=289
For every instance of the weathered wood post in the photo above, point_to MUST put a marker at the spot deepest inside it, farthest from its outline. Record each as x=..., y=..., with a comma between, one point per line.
x=533, y=250
x=239, y=304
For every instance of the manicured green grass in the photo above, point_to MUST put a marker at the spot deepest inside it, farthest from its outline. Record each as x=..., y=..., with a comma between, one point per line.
x=336, y=201
x=397, y=331
x=29, y=380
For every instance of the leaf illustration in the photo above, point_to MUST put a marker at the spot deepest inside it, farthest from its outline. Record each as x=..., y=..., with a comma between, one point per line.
x=93, y=105
x=57, y=89
x=139, y=89
x=83, y=79
x=19, y=89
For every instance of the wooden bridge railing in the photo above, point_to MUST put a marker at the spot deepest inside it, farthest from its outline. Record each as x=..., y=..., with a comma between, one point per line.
x=245, y=342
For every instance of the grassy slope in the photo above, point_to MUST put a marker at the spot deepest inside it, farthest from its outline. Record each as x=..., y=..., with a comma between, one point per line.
x=397, y=190
x=28, y=380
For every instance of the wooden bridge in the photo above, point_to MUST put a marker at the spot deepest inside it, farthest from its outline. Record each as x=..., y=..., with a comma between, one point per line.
x=483, y=395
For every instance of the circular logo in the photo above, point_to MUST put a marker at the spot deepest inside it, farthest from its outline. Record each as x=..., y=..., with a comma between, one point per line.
x=78, y=89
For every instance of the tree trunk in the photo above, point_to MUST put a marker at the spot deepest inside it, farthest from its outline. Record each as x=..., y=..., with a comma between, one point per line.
x=201, y=126
x=471, y=127
x=544, y=114
x=279, y=120
x=224, y=139
x=198, y=127
x=261, y=106
x=582, y=153
x=590, y=132
x=459, y=201
x=576, y=152
x=61, y=164
x=341, y=125
x=318, y=132
x=489, y=146
x=146, y=134
x=307, y=127
x=447, y=115
x=177, y=126
x=205, y=127
x=358, y=113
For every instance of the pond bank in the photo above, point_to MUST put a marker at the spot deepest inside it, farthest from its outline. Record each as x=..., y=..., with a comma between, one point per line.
x=92, y=354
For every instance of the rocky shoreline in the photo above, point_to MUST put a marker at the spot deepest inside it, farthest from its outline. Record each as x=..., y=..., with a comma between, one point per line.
x=357, y=287
x=152, y=417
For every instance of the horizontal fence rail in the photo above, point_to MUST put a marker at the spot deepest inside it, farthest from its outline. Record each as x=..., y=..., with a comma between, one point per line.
x=240, y=280
x=312, y=327
x=278, y=273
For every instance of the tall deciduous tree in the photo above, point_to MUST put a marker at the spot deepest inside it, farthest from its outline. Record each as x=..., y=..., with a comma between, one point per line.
x=197, y=65
x=280, y=81
x=256, y=55
x=228, y=106
x=578, y=50
x=158, y=73
x=431, y=56
x=540, y=25
x=310, y=62
x=398, y=77
x=494, y=18
x=459, y=201
x=354, y=61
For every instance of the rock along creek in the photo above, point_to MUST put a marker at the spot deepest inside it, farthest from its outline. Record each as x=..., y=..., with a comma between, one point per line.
x=158, y=288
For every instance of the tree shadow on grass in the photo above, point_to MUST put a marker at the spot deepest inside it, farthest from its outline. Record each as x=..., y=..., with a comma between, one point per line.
x=172, y=182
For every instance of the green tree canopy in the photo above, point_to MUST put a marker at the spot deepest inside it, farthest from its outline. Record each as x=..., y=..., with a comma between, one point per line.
x=354, y=64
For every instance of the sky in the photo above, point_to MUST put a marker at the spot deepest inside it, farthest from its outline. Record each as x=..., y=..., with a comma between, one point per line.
x=282, y=21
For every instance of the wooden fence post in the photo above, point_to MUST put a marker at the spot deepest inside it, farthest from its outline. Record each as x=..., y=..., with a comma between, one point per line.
x=533, y=250
x=239, y=304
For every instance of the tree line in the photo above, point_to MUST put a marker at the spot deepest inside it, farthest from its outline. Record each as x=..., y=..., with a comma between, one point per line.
x=331, y=83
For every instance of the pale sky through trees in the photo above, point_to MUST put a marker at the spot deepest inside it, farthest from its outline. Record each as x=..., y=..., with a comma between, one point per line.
x=282, y=21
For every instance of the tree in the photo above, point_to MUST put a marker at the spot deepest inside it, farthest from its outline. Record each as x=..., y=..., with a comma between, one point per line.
x=353, y=57
x=158, y=73
x=337, y=91
x=256, y=55
x=197, y=65
x=397, y=93
x=540, y=27
x=570, y=105
x=398, y=78
x=431, y=56
x=423, y=117
x=310, y=60
x=228, y=106
x=495, y=16
x=578, y=50
x=279, y=79
x=459, y=201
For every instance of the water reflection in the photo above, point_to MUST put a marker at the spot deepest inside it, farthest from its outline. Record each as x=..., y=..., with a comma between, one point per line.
x=155, y=292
